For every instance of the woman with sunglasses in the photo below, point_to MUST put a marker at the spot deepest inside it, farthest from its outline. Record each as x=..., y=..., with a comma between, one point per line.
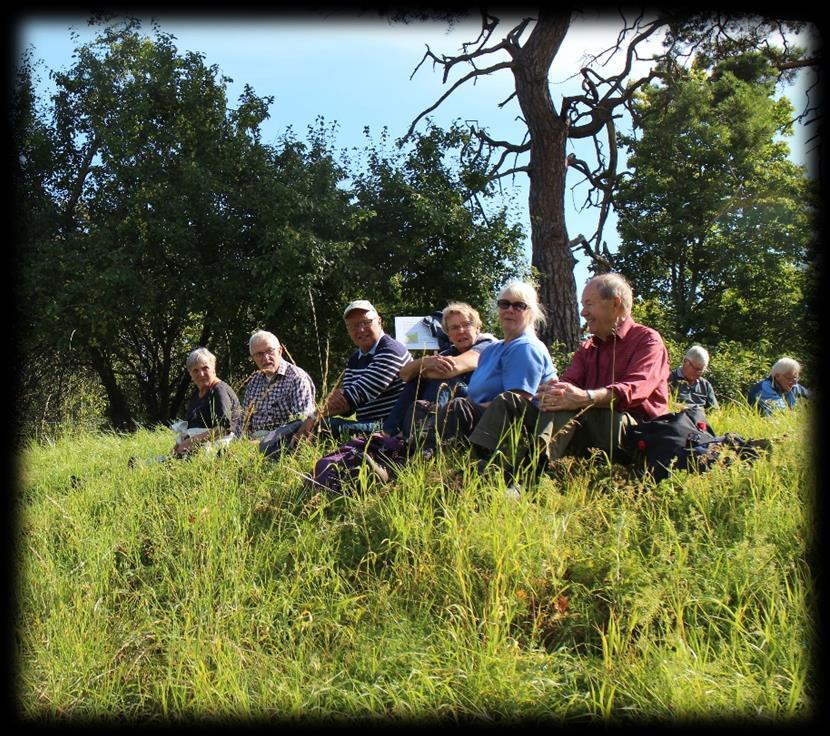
x=518, y=363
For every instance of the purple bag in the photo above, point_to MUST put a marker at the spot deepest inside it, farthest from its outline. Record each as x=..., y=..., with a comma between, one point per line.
x=382, y=454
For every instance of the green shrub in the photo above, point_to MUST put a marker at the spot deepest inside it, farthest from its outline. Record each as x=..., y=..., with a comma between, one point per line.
x=64, y=401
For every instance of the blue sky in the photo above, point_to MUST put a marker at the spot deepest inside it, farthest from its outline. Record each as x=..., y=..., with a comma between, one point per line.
x=355, y=71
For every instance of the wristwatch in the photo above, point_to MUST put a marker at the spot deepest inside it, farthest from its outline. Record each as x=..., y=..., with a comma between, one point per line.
x=590, y=395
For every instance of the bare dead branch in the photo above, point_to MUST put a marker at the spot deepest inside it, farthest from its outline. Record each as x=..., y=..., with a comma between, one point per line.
x=516, y=32
x=507, y=99
x=595, y=254
x=800, y=63
x=489, y=24
x=516, y=148
x=510, y=172
x=472, y=75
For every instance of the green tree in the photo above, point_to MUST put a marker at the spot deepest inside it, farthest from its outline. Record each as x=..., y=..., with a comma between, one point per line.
x=153, y=219
x=165, y=213
x=428, y=231
x=529, y=50
x=715, y=221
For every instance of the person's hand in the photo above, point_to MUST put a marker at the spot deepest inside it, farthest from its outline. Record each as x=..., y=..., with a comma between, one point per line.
x=440, y=364
x=337, y=403
x=556, y=395
x=303, y=431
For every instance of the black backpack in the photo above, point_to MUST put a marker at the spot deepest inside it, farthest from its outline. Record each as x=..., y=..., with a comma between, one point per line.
x=683, y=440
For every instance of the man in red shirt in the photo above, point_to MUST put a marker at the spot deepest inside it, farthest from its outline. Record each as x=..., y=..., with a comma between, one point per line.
x=618, y=376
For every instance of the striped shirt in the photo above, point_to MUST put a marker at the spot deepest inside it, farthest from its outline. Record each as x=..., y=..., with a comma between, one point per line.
x=372, y=382
x=274, y=402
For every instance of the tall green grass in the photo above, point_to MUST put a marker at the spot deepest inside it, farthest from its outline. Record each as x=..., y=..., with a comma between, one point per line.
x=223, y=588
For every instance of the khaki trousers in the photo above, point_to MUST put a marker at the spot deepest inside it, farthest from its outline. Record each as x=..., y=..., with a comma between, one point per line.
x=516, y=429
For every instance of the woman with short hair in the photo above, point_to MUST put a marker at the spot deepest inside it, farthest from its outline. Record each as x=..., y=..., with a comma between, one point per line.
x=213, y=406
x=432, y=381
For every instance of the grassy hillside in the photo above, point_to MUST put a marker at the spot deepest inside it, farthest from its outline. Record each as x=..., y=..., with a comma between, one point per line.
x=221, y=588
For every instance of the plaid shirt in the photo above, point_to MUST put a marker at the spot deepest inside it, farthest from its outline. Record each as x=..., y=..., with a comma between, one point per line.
x=287, y=396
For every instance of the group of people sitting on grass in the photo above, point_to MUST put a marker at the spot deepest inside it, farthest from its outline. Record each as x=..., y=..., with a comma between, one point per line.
x=502, y=397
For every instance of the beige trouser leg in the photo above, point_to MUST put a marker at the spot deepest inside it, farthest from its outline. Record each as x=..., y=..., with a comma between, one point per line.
x=596, y=428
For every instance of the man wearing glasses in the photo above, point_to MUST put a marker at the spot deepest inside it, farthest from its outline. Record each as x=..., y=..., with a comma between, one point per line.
x=688, y=382
x=278, y=397
x=371, y=382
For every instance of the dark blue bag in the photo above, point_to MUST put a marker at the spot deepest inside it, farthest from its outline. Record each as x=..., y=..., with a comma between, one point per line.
x=683, y=440
x=278, y=440
x=436, y=329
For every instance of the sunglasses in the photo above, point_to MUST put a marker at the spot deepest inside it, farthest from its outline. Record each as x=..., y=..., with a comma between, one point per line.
x=506, y=304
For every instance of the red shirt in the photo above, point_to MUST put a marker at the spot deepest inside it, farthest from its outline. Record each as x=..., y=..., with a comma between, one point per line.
x=633, y=363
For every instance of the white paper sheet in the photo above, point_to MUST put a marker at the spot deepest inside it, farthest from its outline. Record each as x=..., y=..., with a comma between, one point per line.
x=414, y=334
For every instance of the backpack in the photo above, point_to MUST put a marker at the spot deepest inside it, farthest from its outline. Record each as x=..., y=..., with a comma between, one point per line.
x=683, y=440
x=436, y=329
x=382, y=454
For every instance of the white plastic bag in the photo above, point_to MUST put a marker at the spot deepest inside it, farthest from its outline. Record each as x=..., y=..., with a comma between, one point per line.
x=220, y=444
x=182, y=431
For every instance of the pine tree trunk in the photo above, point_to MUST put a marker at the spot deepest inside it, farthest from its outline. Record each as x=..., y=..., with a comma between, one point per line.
x=551, y=256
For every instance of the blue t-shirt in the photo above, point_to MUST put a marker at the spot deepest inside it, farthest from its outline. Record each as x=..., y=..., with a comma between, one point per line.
x=519, y=365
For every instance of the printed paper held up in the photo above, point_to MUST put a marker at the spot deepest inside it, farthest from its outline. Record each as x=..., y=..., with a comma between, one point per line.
x=414, y=334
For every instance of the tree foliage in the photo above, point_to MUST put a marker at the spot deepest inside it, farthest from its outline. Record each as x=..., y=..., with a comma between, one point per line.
x=443, y=247
x=154, y=219
x=528, y=49
x=715, y=221
x=151, y=180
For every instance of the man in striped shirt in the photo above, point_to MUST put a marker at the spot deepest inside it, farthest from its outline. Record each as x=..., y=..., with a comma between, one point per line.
x=371, y=383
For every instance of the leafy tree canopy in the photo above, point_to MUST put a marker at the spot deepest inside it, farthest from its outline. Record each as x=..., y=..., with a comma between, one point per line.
x=715, y=221
x=153, y=219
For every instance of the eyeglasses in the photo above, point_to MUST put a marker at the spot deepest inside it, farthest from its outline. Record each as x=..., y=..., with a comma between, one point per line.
x=364, y=324
x=457, y=328
x=506, y=304
x=263, y=353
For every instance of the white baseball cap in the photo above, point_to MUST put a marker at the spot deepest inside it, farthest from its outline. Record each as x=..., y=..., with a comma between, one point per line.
x=359, y=304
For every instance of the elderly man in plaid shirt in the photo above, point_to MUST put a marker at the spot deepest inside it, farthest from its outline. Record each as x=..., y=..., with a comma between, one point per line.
x=279, y=396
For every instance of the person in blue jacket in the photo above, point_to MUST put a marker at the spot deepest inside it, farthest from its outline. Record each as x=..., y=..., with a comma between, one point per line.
x=779, y=390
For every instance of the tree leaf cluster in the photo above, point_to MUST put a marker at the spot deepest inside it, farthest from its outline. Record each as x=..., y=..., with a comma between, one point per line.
x=578, y=136
x=153, y=219
x=716, y=222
